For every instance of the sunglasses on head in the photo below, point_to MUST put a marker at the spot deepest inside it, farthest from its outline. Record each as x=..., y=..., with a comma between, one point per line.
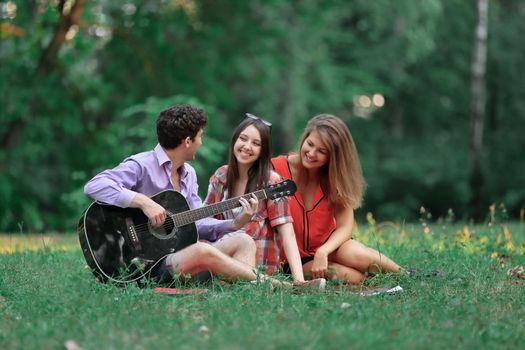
x=265, y=122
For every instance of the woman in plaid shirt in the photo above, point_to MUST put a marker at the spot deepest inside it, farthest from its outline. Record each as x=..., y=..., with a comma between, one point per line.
x=248, y=170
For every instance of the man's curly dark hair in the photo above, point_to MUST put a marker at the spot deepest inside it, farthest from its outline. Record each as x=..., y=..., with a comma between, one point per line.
x=176, y=123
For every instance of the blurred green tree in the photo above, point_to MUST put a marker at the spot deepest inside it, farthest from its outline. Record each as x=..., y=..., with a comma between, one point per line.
x=82, y=82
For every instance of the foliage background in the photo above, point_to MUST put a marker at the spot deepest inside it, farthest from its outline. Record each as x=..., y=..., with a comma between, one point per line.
x=81, y=83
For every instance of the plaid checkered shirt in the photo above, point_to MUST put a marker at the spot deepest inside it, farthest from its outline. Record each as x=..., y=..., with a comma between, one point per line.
x=263, y=226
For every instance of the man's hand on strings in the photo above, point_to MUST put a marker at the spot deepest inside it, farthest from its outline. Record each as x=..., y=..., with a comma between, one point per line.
x=154, y=211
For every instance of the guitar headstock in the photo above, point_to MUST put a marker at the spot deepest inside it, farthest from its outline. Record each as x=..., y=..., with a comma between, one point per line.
x=283, y=188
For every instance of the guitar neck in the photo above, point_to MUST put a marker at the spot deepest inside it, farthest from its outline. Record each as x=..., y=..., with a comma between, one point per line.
x=187, y=217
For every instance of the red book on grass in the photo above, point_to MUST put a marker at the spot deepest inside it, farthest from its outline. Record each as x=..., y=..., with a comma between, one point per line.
x=178, y=291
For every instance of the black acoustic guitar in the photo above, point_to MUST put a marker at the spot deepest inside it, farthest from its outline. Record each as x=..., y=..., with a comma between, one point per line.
x=121, y=246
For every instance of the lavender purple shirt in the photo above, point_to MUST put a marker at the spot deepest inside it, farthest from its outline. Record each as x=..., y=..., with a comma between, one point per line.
x=150, y=173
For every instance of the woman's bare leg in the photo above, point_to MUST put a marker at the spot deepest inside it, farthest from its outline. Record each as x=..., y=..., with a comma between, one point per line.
x=200, y=257
x=356, y=255
x=338, y=272
x=240, y=247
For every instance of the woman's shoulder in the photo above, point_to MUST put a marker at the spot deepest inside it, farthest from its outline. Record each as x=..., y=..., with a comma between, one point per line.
x=284, y=157
x=290, y=158
x=285, y=164
x=281, y=162
x=220, y=174
x=222, y=169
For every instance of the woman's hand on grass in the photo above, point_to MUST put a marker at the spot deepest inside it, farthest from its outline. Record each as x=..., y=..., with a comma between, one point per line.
x=320, y=264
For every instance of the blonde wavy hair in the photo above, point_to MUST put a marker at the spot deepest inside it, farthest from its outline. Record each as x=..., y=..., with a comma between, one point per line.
x=342, y=176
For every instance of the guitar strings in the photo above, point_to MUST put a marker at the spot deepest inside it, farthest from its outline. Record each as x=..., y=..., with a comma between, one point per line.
x=168, y=226
x=144, y=228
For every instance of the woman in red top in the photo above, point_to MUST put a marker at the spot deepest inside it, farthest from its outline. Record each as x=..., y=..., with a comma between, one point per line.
x=330, y=186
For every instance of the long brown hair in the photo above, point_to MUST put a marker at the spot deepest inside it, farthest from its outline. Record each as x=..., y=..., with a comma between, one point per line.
x=259, y=173
x=342, y=176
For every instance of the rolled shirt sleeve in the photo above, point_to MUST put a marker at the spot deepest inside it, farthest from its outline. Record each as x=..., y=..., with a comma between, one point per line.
x=115, y=186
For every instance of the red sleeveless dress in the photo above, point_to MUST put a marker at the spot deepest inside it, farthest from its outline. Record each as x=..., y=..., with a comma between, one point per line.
x=312, y=227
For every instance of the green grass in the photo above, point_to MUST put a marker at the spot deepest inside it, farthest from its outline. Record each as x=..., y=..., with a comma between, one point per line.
x=48, y=297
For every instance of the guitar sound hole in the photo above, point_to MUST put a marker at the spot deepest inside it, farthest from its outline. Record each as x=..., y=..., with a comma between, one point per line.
x=166, y=231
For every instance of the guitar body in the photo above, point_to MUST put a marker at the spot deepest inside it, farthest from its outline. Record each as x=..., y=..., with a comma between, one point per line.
x=120, y=245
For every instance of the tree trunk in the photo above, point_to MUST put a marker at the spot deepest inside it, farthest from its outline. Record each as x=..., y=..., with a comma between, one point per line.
x=67, y=20
x=477, y=106
x=46, y=64
x=396, y=121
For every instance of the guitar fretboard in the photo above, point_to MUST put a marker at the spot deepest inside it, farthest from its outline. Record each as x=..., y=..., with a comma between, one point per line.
x=187, y=217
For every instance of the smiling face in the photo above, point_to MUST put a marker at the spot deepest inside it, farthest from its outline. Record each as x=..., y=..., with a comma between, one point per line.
x=328, y=151
x=314, y=152
x=247, y=147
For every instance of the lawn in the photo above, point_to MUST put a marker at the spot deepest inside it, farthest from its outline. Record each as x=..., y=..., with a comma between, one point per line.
x=49, y=299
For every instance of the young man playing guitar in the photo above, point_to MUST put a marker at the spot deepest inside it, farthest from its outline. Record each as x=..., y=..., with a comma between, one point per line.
x=132, y=182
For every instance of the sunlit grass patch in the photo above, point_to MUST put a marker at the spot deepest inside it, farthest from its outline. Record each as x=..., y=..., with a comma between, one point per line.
x=12, y=243
x=491, y=239
x=475, y=302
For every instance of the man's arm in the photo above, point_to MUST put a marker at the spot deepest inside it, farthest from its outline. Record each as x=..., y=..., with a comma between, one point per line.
x=154, y=211
x=114, y=186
